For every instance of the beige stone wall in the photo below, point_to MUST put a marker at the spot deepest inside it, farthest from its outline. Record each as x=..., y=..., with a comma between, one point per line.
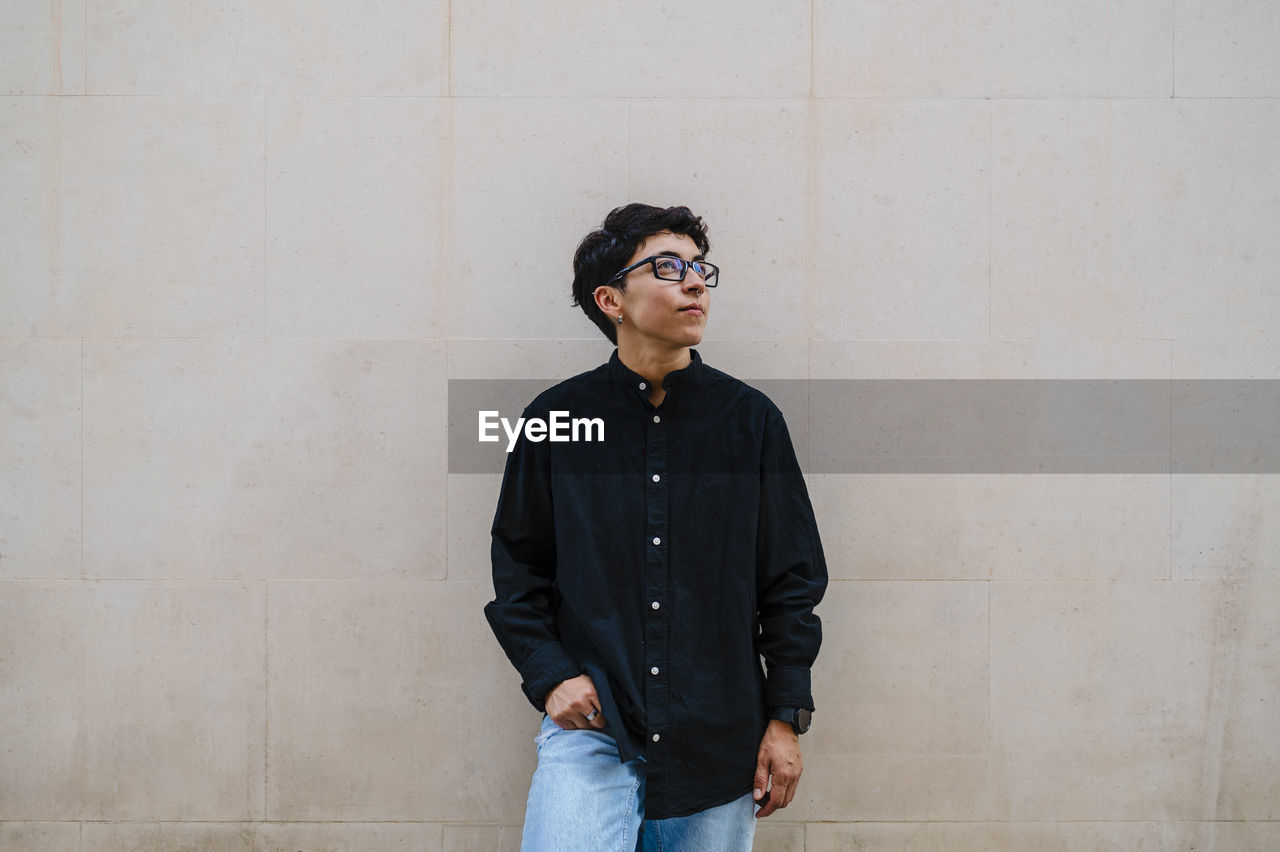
x=244, y=245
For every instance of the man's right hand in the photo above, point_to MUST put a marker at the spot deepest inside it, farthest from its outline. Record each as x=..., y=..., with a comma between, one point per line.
x=570, y=702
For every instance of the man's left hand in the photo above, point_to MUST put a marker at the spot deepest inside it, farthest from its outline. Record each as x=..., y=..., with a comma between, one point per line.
x=779, y=758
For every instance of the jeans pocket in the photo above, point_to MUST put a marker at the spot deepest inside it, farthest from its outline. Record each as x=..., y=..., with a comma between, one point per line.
x=546, y=735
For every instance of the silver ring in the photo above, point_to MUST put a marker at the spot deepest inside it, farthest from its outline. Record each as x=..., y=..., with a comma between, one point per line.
x=592, y=715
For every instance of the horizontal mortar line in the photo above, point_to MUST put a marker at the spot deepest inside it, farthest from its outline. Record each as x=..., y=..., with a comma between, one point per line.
x=1009, y=821
x=245, y=822
x=831, y=98
x=178, y=581
x=173, y=581
x=482, y=824
x=186, y=95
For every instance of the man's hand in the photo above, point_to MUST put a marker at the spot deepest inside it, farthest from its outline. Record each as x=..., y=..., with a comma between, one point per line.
x=779, y=757
x=571, y=701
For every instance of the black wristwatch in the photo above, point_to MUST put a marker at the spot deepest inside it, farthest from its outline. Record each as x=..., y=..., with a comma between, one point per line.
x=799, y=717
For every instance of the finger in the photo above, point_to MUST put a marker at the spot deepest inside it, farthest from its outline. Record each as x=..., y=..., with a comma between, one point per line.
x=791, y=792
x=781, y=793
x=770, y=805
x=762, y=781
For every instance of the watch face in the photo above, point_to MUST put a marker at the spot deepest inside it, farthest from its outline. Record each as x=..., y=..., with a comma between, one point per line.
x=803, y=719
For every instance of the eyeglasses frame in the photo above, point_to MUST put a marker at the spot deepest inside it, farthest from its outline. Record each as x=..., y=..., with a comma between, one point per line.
x=686, y=264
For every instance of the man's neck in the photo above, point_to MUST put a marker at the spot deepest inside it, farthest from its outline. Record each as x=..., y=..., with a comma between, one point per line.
x=653, y=364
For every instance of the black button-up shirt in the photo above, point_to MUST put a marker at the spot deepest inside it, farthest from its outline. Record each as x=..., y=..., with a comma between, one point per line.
x=664, y=562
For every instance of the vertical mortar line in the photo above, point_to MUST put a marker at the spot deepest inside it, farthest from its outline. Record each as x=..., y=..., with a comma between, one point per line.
x=85, y=88
x=813, y=41
x=1169, y=574
x=630, y=170
x=1228, y=613
x=808, y=401
x=266, y=699
x=811, y=195
x=55, y=14
x=265, y=241
x=1173, y=51
x=991, y=179
x=446, y=179
x=82, y=571
x=446, y=458
x=448, y=48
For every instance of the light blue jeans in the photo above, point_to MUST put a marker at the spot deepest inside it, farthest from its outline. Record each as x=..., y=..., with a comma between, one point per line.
x=585, y=799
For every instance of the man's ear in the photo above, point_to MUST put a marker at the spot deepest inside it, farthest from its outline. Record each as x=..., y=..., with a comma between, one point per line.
x=607, y=300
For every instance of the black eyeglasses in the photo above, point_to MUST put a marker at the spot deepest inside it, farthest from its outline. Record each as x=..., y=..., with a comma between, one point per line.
x=670, y=268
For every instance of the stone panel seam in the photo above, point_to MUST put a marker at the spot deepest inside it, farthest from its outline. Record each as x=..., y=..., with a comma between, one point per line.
x=813, y=38
x=55, y=11
x=991, y=157
x=811, y=166
x=446, y=177
x=266, y=241
x=81, y=377
x=1229, y=611
x=446, y=475
x=266, y=700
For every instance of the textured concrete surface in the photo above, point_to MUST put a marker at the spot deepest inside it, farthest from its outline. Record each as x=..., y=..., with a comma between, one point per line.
x=245, y=246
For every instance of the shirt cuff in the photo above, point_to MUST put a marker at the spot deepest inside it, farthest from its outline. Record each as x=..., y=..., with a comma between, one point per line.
x=544, y=671
x=788, y=686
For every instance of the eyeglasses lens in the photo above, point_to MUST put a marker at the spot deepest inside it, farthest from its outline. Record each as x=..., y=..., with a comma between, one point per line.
x=668, y=268
x=673, y=269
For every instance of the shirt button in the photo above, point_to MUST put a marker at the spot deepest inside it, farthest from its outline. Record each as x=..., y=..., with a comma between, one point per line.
x=655, y=604
x=657, y=419
x=656, y=477
x=643, y=386
x=653, y=670
x=657, y=540
x=656, y=738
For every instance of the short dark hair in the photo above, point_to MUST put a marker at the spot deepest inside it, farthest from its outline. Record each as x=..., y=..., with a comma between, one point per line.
x=603, y=252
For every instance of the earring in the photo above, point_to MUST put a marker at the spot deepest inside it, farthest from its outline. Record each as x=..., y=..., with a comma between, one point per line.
x=619, y=319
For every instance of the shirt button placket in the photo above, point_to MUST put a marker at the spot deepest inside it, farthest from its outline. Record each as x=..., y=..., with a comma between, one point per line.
x=657, y=507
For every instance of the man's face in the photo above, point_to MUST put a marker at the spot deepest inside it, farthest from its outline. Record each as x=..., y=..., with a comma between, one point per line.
x=658, y=312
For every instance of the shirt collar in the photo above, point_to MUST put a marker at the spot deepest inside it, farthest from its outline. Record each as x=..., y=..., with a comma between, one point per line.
x=633, y=380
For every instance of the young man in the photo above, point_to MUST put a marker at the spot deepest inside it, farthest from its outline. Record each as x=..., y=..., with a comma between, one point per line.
x=640, y=578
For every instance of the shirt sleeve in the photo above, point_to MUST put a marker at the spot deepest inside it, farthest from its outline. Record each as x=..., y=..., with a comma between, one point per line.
x=791, y=572
x=523, y=552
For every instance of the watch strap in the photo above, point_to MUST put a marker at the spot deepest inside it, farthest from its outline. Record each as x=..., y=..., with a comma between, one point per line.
x=798, y=718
